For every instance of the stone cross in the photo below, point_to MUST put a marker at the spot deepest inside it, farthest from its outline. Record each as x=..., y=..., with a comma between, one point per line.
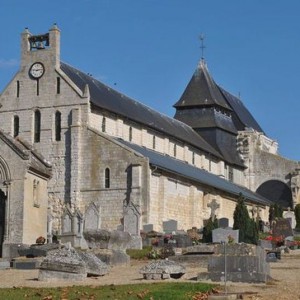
x=213, y=205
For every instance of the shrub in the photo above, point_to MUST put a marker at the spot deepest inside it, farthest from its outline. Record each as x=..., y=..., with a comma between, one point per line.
x=207, y=230
x=248, y=231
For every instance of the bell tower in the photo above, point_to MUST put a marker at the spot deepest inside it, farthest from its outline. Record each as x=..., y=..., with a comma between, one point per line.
x=44, y=47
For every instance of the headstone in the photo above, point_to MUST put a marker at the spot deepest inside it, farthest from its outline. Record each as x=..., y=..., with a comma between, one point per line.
x=148, y=227
x=67, y=223
x=213, y=205
x=94, y=266
x=91, y=218
x=245, y=263
x=290, y=215
x=131, y=219
x=220, y=235
x=182, y=241
x=162, y=269
x=170, y=226
x=282, y=228
x=223, y=222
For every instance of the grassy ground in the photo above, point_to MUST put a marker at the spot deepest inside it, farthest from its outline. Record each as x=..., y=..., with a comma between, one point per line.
x=153, y=291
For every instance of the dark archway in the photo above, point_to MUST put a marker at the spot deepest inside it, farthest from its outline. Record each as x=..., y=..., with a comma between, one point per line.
x=2, y=219
x=276, y=191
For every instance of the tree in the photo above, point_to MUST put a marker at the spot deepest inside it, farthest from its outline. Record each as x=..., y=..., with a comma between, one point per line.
x=208, y=228
x=297, y=216
x=248, y=231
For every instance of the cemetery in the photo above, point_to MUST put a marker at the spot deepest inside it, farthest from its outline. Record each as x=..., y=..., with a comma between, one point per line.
x=217, y=253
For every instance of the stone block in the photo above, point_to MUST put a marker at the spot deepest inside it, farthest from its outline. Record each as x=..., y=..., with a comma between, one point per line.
x=112, y=257
x=4, y=264
x=157, y=268
x=94, y=266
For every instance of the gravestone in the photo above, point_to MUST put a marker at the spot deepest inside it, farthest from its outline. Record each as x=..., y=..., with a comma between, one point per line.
x=131, y=219
x=91, y=219
x=148, y=227
x=220, y=235
x=290, y=215
x=282, y=228
x=213, y=205
x=170, y=226
x=245, y=263
x=67, y=223
x=223, y=222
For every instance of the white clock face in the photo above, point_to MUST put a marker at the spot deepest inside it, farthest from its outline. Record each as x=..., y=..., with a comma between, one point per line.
x=37, y=70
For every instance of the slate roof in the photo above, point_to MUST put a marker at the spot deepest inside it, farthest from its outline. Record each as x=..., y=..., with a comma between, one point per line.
x=36, y=161
x=202, y=91
x=106, y=98
x=190, y=172
x=242, y=118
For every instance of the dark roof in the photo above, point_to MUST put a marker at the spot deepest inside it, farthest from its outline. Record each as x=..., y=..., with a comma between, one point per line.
x=242, y=118
x=202, y=91
x=206, y=118
x=36, y=161
x=109, y=99
x=195, y=174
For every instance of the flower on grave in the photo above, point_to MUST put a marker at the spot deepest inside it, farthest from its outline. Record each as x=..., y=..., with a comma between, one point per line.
x=40, y=240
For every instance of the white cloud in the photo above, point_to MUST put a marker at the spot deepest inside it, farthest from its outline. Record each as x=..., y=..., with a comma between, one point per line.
x=8, y=63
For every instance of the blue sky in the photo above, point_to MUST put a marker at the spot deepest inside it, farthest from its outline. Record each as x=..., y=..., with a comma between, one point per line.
x=149, y=50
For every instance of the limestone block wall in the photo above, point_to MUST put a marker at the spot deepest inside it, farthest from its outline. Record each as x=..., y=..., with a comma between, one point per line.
x=99, y=153
x=115, y=126
x=35, y=208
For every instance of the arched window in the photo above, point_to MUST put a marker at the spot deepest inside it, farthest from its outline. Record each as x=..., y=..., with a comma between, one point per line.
x=37, y=126
x=174, y=150
x=193, y=158
x=130, y=134
x=16, y=126
x=58, y=126
x=107, y=178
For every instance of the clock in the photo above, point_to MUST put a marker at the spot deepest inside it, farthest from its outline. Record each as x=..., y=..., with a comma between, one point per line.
x=37, y=70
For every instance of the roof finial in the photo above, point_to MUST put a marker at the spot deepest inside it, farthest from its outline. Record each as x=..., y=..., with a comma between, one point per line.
x=201, y=37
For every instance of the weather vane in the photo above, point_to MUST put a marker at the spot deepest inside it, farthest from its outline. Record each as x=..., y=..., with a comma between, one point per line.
x=201, y=37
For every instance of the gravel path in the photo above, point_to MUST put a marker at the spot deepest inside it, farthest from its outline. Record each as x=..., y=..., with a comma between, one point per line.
x=285, y=283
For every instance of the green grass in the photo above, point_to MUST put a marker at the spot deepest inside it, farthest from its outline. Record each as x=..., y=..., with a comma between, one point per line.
x=152, y=291
x=139, y=253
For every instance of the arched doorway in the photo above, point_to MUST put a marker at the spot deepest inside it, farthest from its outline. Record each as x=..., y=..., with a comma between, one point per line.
x=2, y=219
x=276, y=191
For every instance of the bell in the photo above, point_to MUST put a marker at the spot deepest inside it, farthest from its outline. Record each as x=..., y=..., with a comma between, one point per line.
x=40, y=45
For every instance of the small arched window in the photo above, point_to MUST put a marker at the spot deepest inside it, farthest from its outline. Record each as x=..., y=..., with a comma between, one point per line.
x=37, y=126
x=154, y=142
x=58, y=126
x=174, y=150
x=104, y=124
x=107, y=178
x=193, y=158
x=130, y=134
x=16, y=126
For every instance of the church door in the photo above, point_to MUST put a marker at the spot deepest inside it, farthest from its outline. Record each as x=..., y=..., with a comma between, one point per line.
x=2, y=219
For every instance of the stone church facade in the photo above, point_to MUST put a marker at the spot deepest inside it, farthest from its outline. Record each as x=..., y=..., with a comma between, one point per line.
x=77, y=155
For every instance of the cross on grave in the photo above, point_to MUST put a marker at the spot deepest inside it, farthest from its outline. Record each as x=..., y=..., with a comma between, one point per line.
x=213, y=205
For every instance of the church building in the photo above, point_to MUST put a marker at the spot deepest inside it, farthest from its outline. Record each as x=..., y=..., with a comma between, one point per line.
x=77, y=155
